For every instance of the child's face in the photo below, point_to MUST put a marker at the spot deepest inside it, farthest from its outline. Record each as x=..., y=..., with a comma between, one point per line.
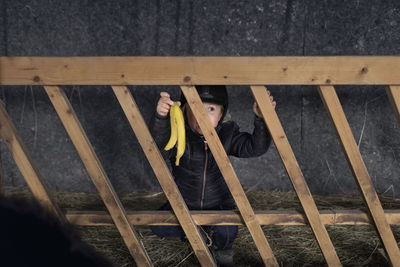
x=214, y=112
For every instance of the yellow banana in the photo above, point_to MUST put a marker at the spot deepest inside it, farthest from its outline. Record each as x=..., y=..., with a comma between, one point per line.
x=174, y=133
x=177, y=132
x=181, y=143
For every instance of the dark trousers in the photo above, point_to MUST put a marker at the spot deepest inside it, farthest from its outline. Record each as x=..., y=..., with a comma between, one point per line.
x=222, y=235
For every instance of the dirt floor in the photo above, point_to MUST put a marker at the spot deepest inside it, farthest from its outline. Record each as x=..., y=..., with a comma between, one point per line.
x=292, y=245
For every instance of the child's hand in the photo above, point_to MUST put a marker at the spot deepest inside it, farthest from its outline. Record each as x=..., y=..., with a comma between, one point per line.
x=256, y=109
x=164, y=104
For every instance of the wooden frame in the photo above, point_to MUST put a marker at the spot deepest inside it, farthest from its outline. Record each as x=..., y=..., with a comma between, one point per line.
x=189, y=71
x=295, y=174
x=26, y=165
x=97, y=174
x=165, y=178
x=218, y=217
x=331, y=70
x=393, y=93
x=231, y=180
x=360, y=172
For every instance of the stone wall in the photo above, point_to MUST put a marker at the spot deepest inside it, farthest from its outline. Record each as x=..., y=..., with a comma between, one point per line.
x=203, y=28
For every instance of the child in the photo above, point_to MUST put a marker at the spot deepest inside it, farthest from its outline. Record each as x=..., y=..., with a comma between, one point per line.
x=198, y=176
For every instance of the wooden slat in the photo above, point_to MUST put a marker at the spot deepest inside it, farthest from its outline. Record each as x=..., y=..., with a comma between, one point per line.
x=26, y=165
x=229, y=175
x=199, y=70
x=393, y=93
x=295, y=174
x=163, y=175
x=97, y=174
x=335, y=110
x=226, y=217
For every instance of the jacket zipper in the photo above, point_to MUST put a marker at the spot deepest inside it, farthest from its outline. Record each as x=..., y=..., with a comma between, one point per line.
x=204, y=175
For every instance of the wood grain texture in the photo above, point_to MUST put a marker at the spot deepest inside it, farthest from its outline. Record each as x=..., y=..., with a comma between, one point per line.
x=360, y=172
x=200, y=70
x=393, y=93
x=26, y=165
x=295, y=174
x=163, y=175
x=97, y=174
x=229, y=175
x=218, y=217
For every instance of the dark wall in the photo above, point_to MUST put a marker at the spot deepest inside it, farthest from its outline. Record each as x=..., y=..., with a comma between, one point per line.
x=203, y=28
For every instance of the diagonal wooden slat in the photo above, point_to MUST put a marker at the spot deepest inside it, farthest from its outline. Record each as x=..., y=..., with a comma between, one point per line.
x=228, y=217
x=26, y=165
x=342, y=127
x=97, y=174
x=393, y=93
x=163, y=174
x=295, y=174
x=229, y=175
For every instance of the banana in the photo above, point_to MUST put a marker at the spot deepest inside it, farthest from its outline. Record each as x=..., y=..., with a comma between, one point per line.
x=174, y=133
x=181, y=144
x=177, y=132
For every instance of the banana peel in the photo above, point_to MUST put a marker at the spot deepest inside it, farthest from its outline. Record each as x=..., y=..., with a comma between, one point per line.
x=178, y=135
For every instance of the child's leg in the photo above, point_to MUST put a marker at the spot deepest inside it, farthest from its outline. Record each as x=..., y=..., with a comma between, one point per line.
x=167, y=231
x=224, y=235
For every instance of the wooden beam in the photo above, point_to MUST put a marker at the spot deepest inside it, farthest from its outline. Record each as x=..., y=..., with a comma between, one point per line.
x=97, y=174
x=295, y=174
x=199, y=70
x=26, y=165
x=393, y=93
x=163, y=175
x=224, y=217
x=229, y=175
x=335, y=111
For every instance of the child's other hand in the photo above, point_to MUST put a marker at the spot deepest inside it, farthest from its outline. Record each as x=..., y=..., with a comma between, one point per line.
x=164, y=104
x=256, y=109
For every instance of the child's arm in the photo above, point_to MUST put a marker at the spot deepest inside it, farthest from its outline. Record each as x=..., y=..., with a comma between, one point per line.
x=160, y=127
x=252, y=145
x=164, y=104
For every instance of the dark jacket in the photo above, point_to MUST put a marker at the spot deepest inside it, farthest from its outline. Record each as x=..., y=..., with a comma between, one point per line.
x=198, y=176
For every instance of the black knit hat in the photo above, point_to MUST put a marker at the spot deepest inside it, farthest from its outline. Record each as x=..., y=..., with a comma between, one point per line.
x=212, y=94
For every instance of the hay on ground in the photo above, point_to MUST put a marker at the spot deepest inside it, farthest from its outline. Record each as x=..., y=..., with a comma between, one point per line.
x=292, y=245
